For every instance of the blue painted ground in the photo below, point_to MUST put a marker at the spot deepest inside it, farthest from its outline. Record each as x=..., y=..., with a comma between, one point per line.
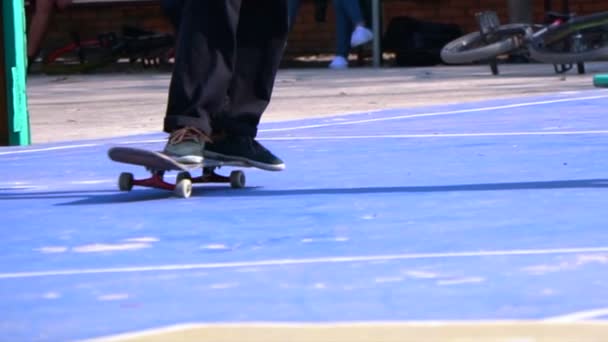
x=491, y=210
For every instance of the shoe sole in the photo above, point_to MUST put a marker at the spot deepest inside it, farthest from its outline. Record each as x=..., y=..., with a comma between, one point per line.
x=359, y=43
x=187, y=159
x=223, y=157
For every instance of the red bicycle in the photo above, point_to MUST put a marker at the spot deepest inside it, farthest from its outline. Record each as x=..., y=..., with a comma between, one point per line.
x=133, y=45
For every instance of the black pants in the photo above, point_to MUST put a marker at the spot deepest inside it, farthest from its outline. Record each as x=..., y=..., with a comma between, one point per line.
x=228, y=53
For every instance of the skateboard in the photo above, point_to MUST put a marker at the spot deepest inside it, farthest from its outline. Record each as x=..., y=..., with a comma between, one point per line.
x=157, y=163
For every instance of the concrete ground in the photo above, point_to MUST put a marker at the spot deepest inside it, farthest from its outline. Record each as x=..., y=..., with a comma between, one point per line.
x=67, y=108
x=64, y=108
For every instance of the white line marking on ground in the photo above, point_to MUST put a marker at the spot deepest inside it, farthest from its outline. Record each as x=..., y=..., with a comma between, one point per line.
x=344, y=137
x=47, y=149
x=52, y=249
x=579, y=316
x=149, y=141
x=460, y=281
x=409, y=116
x=439, y=135
x=304, y=261
x=91, y=182
x=443, y=113
x=51, y=295
x=106, y=247
x=113, y=297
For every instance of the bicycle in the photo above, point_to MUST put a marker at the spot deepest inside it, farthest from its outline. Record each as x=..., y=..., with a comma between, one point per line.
x=566, y=40
x=136, y=45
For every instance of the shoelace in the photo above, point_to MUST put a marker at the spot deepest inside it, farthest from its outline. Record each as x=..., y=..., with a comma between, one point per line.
x=188, y=133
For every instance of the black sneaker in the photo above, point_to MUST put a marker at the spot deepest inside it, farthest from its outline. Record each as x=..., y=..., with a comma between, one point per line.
x=245, y=149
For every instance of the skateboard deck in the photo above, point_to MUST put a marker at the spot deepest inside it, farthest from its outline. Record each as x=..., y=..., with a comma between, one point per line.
x=157, y=163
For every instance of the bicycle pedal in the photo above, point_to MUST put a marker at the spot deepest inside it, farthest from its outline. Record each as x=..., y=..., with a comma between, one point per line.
x=488, y=21
x=562, y=68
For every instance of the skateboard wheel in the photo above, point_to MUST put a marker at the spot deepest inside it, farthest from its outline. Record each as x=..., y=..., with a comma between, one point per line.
x=125, y=181
x=183, y=175
x=183, y=188
x=237, y=179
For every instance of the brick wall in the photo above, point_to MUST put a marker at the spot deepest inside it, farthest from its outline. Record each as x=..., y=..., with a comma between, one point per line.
x=308, y=37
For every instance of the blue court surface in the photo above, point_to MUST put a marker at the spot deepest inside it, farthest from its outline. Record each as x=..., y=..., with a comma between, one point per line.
x=485, y=211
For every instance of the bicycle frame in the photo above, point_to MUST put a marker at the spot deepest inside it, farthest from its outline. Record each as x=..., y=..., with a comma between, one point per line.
x=559, y=30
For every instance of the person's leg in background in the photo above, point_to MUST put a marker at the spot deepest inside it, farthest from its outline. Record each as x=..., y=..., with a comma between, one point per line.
x=39, y=24
x=343, y=33
x=261, y=38
x=361, y=34
x=350, y=31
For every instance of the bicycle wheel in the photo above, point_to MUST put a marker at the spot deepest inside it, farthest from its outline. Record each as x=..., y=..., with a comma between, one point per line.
x=474, y=47
x=579, y=40
x=78, y=58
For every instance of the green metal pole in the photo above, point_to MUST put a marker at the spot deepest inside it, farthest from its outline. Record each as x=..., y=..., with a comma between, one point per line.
x=377, y=53
x=16, y=71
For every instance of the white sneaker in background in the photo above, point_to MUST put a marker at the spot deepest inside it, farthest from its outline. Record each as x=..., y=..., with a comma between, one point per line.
x=338, y=62
x=360, y=36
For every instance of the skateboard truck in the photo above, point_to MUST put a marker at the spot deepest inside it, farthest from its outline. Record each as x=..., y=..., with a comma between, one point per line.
x=183, y=182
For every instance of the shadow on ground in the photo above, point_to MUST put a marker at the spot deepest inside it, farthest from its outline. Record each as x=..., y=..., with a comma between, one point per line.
x=140, y=195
